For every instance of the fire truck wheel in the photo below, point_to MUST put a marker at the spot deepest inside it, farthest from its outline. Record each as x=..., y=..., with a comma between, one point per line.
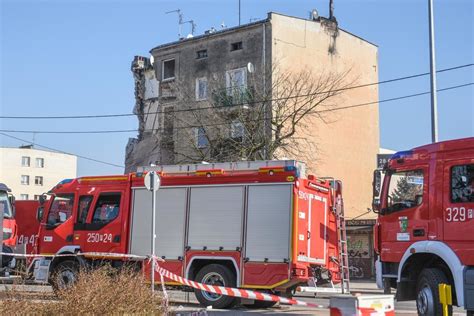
x=215, y=274
x=64, y=274
x=427, y=298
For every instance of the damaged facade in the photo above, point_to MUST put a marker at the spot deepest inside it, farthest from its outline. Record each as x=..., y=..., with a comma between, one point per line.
x=199, y=72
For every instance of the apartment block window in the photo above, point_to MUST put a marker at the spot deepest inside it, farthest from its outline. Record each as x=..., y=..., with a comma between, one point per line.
x=39, y=162
x=168, y=69
x=201, y=137
x=25, y=180
x=237, y=130
x=201, y=88
x=37, y=197
x=23, y=196
x=38, y=180
x=236, y=81
x=25, y=161
x=200, y=54
x=236, y=46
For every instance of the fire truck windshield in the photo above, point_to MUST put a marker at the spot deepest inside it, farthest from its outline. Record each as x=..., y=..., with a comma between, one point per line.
x=5, y=205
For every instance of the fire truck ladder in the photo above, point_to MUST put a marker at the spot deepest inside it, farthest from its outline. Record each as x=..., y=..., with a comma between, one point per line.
x=342, y=241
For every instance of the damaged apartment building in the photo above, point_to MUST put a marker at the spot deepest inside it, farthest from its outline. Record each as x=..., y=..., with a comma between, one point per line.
x=230, y=95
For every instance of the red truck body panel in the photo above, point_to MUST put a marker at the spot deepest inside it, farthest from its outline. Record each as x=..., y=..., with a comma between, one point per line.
x=28, y=225
x=313, y=233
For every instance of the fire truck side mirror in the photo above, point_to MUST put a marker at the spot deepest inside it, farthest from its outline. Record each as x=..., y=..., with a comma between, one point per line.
x=376, y=188
x=39, y=213
x=376, y=183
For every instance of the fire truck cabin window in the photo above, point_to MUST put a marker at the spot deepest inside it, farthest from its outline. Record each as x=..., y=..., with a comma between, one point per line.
x=83, y=208
x=61, y=209
x=106, y=208
x=462, y=183
x=405, y=190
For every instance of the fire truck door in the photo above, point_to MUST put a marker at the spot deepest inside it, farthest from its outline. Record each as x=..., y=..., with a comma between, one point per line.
x=58, y=229
x=317, y=229
x=405, y=213
x=458, y=200
x=98, y=225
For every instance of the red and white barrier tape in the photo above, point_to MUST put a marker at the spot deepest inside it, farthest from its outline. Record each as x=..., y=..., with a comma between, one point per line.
x=221, y=290
x=107, y=255
x=234, y=292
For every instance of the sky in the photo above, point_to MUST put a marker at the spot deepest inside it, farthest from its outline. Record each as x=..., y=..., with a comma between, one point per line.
x=73, y=58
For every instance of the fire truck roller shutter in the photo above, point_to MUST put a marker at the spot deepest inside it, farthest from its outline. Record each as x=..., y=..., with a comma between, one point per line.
x=170, y=219
x=215, y=217
x=268, y=222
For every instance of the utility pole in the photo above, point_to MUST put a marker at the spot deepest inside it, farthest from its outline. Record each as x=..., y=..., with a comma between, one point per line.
x=434, y=101
x=239, y=12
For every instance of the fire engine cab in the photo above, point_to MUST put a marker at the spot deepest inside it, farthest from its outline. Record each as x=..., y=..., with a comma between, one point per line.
x=425, y=230
x=8, y=227
x=255, y=225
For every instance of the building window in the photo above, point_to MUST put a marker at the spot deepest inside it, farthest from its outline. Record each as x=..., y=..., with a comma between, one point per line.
x=201, y=137
x=25, y=161
x=168, y=121
x=38, y=180
x=24, y=196
x=200, y=54
x=201, y=88
x=462, y=183
x=236, y=46
x=237, y=130
x=168, y=69
x=25, y=180
x=37, y=197
x=39, y=162
x=236, y=81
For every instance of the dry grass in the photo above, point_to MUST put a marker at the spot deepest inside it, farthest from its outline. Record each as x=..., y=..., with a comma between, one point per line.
x=98, y=292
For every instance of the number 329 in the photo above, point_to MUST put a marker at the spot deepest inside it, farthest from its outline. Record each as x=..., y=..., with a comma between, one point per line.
x=456, y=214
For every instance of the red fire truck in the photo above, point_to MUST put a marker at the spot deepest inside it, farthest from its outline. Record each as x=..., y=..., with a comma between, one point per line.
x=255, y=225
x=9, y=229
x=28, y=226
x=425, y=230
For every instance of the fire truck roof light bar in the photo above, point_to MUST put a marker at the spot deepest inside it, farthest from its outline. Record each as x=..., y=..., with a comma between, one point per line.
x=402, y=154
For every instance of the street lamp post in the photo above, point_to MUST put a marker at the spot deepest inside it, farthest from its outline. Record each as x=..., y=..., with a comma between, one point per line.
x=434, y=101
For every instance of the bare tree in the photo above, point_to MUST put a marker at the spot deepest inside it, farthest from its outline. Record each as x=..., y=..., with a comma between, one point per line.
x=253, y=122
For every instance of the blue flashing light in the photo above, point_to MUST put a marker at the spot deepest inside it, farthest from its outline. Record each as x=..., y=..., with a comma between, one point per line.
x=292, y=168
x=402, y=154
x=65, y=181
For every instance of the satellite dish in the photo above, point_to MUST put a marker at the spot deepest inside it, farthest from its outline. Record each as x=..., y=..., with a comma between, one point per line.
x=250, y=68
x=152, y=60
x=314, y=14
x=190, y=36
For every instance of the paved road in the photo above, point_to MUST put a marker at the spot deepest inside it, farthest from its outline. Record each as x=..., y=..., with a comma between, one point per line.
x=185, y=303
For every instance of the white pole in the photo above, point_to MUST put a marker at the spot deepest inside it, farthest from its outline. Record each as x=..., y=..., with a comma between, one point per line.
x=153, y=231
x=434, y=101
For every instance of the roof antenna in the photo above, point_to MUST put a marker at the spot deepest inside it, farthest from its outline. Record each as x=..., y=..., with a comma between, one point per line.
x=193, y=25
x=180, y=20
x=239, y=12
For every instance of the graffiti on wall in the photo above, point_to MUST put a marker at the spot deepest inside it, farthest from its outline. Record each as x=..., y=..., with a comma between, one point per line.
x=360, y=256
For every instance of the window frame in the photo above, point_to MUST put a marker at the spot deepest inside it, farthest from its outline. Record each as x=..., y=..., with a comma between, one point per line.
x=236, y=46
x=79, y=211
x=451, y=200
x=62, y=195
x=197, y=137
x=27, y=177
x=39, y=165
x=99, y=224
x=37, y=178
x=28, y=158
x=233, y=128
x=202, y=51
x=198, y=97
x=389, y=209
x=231, y=89
x=163, y=70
